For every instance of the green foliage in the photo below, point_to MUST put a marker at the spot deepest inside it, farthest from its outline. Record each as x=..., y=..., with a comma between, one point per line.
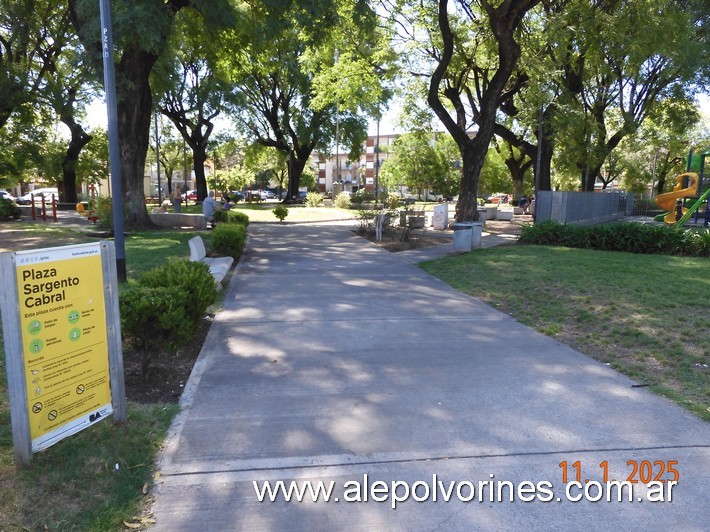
x=159, y=312
x=342, y=201
x=280, y=212
x=232, y=217
x=193, y=281
x=104, y=213
x=362, y=196
x=391, y=200
x=229, y=239
x=699, y=242
x=154, y=320
x=626, y=237
x=8, y=210
x=367, y=221
x=313, y=199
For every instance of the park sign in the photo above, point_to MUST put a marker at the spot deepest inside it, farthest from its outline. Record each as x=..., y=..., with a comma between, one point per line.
x=62, y=340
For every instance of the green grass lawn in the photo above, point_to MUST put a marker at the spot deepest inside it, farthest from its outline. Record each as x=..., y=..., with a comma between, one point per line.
x=262, y=212
x=646, y=315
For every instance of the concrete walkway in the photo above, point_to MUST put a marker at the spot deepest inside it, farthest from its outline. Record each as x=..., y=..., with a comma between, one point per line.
x=334, y=360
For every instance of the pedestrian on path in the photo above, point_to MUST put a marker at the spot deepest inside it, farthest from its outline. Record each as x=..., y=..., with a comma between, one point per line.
x=177, y=198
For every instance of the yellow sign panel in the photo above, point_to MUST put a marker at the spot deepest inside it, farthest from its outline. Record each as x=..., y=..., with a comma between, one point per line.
x=64, y=340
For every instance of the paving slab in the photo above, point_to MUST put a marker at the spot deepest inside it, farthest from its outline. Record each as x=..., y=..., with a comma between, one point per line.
x=335, y=361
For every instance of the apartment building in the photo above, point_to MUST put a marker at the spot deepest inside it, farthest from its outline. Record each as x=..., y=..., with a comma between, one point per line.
x=336, y=173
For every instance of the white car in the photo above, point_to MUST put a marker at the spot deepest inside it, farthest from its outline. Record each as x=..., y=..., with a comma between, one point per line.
x=38, y=194
x=4, y=194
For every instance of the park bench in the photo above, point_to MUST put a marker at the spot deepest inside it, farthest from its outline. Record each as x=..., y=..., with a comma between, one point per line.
x=219, y=266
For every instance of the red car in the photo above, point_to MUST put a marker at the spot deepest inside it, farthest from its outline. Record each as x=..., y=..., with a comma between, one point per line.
x=190, y=195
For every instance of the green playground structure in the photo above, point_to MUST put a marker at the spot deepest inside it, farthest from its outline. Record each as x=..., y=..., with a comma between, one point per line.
x=693, y=185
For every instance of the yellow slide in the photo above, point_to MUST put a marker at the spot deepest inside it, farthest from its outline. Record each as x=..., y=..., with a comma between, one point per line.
x=667, y=201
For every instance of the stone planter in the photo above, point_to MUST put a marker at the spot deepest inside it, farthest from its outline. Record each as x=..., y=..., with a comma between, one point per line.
x=417, y=222
x=491, y=210
x=504, y=214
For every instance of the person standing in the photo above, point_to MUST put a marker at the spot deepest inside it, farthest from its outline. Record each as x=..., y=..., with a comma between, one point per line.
x=177, y=198
x=524, y=204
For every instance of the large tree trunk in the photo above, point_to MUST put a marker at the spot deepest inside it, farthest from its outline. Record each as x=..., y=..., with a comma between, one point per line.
x=199, y=156
x=135, y=102
x=296, y=163
x=79, y=139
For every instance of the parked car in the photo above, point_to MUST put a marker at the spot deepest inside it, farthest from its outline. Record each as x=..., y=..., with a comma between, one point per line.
x=38, y=194
x=4, y=194
x=190, y=195
x=256, y=195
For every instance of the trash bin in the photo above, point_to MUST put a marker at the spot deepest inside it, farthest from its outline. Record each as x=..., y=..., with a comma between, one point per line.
x=482, y=215
x=463, y=234
x=476, y=234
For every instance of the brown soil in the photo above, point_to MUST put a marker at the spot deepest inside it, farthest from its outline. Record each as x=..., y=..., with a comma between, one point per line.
x=167, y=375
x=418, y=238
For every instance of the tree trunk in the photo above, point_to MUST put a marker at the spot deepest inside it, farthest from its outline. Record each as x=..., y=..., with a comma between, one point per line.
x=296, y=164
x=79, y=139
x=199, y=156
x=467, y=205
x=517, y=168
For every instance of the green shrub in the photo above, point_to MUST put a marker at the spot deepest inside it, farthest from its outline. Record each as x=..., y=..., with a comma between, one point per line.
x=8, y=210
x=391, y=201
x=367, y=221
x=103, y=210
x=232, y=217
x=153, y=320
x=342, y=201
x=193, y=281
x=280, y=212
x=626, y=237
x=313, y=199
x=362, y=196
x=547, y=233
x=229, y=239
x=699, y=242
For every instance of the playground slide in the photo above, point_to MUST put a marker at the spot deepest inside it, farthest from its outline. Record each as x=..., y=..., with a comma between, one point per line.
x=667, y=201
x=693, y=208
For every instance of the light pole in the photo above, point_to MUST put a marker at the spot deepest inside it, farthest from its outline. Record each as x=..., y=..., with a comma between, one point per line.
x=157, y=160
x=113, y=144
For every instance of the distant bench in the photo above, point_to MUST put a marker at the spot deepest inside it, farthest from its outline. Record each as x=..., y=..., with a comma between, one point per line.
x=219, y=266
x=175, y=219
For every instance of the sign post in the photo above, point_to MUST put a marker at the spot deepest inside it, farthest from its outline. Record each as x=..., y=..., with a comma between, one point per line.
x=62, y=343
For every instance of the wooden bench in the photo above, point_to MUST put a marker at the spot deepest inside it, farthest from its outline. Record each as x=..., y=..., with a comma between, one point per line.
x=219, y=266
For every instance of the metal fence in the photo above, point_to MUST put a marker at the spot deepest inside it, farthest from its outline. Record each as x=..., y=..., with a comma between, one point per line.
x=583, y=208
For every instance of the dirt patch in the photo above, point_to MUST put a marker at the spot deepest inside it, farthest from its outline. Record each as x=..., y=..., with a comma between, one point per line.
x=392, y=241
x=168, y=373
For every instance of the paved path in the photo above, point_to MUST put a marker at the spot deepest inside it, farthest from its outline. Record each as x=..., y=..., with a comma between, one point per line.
x=334, y=360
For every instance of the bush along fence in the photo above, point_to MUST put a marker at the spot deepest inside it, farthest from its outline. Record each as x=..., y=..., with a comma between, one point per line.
x=622, y=236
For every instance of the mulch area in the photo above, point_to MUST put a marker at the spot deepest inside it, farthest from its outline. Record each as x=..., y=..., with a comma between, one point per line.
x=168, y=373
